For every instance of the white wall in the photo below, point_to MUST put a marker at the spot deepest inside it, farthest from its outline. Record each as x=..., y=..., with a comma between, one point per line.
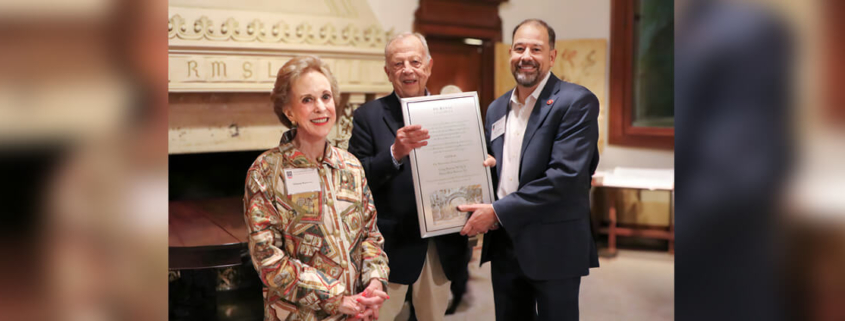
x=571, y=19
x=396, y=14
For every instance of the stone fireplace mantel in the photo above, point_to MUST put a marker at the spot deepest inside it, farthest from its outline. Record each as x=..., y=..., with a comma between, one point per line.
x=224, y=48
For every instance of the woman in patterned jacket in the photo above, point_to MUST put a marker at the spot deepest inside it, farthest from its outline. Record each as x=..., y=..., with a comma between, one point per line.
x=310, y=215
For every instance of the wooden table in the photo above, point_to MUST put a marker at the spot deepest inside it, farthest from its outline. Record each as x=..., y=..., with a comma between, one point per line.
x=613, y=230
x=207, y=233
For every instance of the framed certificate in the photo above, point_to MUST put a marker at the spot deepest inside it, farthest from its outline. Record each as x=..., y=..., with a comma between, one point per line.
x=449, y=171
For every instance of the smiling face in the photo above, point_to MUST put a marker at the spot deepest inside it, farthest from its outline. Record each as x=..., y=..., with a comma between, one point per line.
x=531, y=54
x=312, y=106
x=407, y=67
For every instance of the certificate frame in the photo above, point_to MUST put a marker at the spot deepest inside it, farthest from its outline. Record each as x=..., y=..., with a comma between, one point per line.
x=444, y=172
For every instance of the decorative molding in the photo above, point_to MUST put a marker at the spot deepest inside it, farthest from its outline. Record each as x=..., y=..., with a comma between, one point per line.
x=334, y=9
x=342, y=130
x=256, y=30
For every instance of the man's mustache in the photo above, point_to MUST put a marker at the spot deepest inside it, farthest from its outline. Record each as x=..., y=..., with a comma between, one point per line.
x=527, y=63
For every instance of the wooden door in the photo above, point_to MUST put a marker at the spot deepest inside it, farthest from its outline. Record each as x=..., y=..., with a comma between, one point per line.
x=459, y=64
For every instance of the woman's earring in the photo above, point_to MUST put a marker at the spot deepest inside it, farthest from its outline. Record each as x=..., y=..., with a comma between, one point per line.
x=292, y=122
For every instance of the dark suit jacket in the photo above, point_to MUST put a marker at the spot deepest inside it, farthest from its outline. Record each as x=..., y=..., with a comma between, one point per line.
x=733, y=154
x=374, y=130
x=548, y=218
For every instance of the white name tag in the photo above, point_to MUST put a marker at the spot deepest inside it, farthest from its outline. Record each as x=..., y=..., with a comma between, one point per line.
x=301, y=180
x=498, y=128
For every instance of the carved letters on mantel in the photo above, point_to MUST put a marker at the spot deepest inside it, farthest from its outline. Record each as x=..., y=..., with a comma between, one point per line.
x=251, y=73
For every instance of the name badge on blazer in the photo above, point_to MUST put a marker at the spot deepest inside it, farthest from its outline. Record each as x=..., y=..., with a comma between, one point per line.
x=498, y=129
x=301, y=180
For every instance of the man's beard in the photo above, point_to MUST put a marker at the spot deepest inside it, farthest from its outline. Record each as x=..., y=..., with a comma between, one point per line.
x=526, y=80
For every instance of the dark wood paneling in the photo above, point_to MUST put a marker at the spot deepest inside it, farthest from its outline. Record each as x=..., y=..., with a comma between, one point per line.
x=488, y=76
x=834, y=77
x=459, y=31
x=481, y=15
x=463, y=65
x=445, y=24
x=456, y=63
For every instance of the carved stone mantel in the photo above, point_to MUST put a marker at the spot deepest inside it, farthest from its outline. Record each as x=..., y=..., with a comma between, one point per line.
x=221, y=46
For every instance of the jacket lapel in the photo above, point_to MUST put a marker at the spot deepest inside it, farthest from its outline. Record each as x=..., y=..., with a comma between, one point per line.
x=498, y=144
x=538, y=114
x=393, y=113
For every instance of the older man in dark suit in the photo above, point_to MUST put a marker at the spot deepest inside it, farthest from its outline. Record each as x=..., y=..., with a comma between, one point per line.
x=544, y=136
x=382, y=142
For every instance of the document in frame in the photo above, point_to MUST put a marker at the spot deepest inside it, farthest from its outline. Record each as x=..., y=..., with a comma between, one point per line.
x=449, y=171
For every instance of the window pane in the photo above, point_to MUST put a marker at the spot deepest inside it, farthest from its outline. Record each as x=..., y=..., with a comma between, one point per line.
x=653, y=66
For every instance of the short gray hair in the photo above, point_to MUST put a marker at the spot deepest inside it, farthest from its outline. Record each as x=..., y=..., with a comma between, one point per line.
x=402, y=36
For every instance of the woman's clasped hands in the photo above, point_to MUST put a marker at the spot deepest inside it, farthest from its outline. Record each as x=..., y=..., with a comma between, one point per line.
x=365, y=305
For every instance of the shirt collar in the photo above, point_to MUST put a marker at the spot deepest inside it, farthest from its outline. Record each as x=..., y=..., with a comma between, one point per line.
x=297, y=158
x=536, y=93
x=400, y=98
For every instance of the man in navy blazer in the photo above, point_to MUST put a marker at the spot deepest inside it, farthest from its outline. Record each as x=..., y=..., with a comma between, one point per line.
x=544, y=137
x=382, y=142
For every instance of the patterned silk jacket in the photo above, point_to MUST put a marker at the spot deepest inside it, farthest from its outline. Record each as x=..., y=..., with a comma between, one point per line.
x=311, y=248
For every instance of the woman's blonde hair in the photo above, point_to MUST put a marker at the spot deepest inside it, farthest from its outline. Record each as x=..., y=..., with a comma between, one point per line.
x=289, y=74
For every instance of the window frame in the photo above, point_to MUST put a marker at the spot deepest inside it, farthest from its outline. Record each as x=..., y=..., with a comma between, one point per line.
x=621, y=129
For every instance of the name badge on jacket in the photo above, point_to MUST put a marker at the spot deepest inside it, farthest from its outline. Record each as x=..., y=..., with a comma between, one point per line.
x=498, y=128
x=301, y=180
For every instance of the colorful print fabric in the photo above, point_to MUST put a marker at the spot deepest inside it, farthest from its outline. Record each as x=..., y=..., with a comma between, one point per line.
x=312, y=248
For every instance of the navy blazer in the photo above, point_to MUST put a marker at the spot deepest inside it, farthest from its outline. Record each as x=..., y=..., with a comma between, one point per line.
x=548, y=218
x=374, y=130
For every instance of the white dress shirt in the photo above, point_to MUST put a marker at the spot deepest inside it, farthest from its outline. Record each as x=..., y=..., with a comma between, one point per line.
x=515, y=126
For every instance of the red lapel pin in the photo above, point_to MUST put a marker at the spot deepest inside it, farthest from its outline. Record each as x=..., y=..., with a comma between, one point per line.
x=549, y=102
